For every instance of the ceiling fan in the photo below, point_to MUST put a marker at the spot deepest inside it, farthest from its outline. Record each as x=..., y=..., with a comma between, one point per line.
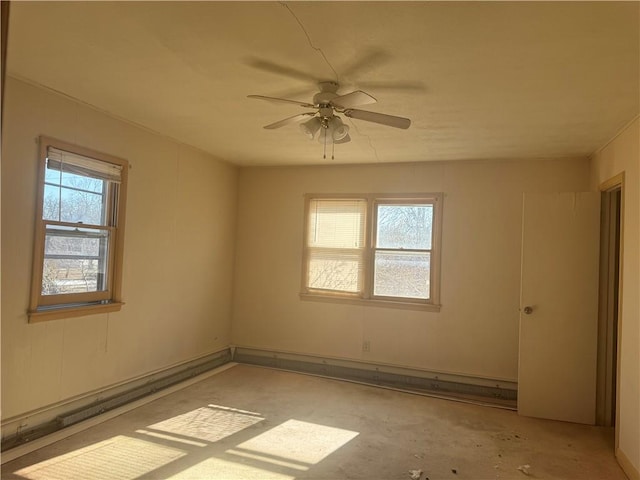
x=324, y=120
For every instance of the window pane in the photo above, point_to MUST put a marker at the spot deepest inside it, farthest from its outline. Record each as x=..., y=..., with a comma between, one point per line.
x=81, y=182
x=75, y=260
x=52, y=175
x=51, y=203
x=402, y=274
x=81, y=207
x=335, y=270
x=404, y=226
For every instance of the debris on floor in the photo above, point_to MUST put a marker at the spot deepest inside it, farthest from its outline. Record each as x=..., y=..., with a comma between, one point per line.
x=525, y=469
x=415, y=474
x=454, y=471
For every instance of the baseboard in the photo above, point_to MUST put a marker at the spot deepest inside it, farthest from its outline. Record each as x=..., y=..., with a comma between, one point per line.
x=33, y=430
x=632, y=472
x=31, y=427
x=483, y=390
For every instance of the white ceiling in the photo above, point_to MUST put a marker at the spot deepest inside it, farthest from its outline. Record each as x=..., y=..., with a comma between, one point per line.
x=479, y=80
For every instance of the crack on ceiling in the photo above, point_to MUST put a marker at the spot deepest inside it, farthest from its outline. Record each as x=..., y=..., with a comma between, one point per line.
x=317, y=49
x=375, y=152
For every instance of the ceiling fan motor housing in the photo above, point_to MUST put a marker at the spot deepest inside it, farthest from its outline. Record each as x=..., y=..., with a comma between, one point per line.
x=325, y=111
x=323, y=98
x=328, y=91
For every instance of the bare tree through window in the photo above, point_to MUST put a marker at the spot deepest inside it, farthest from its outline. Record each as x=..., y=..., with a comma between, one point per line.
x=74, y=259
x=402, y=255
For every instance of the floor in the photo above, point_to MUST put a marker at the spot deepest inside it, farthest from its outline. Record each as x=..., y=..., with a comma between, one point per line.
x=257, y=423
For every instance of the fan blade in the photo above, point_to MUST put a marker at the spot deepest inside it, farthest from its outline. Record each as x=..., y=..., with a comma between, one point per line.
x=286, y=121
x=398, y=86
x=282, y=100
x=369, y=59
x=352, y=99
x=279, y=69
x=381, y=118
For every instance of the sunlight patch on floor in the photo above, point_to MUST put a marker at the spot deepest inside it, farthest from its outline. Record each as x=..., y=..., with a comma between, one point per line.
x=279, y=453
x=210, y=423
x=119, y=458
x=171, y=438
x=218, y=469
x=273, y=460
x=296, y=441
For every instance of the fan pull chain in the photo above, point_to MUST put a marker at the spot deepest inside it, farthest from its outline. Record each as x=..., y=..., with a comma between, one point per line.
x=324, y=144
x=333, y=149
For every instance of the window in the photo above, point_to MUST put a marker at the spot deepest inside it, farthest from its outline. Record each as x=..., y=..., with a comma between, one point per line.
x=79, y=235
x=336, y=245
x=376, y=248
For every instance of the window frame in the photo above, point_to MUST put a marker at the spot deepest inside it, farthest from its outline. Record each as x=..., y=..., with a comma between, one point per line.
x=66, y=305
x=366, y=297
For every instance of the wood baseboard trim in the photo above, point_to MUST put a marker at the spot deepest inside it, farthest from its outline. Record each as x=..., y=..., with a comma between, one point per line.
x=628, y=468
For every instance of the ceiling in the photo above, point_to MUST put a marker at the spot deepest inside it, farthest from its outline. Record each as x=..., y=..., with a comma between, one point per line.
x=479, y=80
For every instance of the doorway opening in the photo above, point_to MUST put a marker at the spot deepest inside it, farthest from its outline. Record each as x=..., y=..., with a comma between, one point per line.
x=612, y=207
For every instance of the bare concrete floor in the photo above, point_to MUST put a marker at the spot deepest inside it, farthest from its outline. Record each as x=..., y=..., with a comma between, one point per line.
x=255, y=423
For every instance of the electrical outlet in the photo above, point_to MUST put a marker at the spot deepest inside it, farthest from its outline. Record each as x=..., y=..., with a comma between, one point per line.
x=366, y=346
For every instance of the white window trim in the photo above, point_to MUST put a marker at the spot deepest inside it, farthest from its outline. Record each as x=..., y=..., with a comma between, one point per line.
x=367, y=297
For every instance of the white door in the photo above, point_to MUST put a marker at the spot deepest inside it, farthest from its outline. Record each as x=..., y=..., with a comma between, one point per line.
x=559, y=306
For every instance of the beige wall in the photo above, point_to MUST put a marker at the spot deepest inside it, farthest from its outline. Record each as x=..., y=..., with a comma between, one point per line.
x=178, y=260
x=475, y=333
x=623, y=155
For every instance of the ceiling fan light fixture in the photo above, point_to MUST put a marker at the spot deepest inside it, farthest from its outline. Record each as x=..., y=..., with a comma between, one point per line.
x=326, y=133
x=310, y=127
x=338, y=129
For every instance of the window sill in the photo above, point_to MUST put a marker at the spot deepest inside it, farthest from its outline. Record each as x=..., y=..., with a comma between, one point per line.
x=425, y=307
x=57, y=313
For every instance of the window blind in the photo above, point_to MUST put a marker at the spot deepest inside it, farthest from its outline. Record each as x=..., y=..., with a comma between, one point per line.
x=81, y=165
x=335, y=242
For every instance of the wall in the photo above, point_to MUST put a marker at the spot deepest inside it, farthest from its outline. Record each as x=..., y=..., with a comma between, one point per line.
x=178, y=258
x=476, y=331
x=623, y=155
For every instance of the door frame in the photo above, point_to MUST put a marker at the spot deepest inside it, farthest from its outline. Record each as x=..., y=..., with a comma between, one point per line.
x=606, y=319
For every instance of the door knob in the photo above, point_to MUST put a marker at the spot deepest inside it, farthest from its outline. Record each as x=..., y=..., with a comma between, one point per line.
x=527, y=310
